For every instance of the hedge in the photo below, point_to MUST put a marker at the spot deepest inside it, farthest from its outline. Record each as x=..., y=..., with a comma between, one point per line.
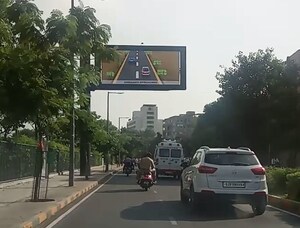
x=284, y=181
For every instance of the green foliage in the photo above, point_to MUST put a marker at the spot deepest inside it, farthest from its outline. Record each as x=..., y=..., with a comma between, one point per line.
x=24, y=139
x=259, y=105
x=293, y=186
x=277, y=179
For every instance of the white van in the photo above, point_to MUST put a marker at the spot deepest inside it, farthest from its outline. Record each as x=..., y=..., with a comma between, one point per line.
x=168, y=157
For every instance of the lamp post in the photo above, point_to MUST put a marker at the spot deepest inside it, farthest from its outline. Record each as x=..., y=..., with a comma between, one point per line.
x=119, y=127
x=72, y=138
x=107, y=126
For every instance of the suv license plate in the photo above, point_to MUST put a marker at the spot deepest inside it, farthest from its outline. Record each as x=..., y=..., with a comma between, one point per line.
x=233, y=185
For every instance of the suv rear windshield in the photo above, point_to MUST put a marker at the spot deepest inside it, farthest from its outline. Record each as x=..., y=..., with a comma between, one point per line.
x=164, y=152
x=231, y=159
x=175, y=153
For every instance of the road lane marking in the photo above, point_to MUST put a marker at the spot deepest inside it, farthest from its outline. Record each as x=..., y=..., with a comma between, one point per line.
x=153, y=69
x=137, y=64
x=52, y=224
x=137, y=74
x=136, y=57
x=160, y=200
x=120, y=69
x=155, y=192
x=173, y=221
x=287, y=212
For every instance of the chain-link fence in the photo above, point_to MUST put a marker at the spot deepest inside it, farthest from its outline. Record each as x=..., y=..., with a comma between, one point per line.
x=18, y=160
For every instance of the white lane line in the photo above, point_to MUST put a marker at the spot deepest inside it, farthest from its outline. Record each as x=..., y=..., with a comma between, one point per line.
x=155, y=192
x=137, y=74
x=173, y=221
x=76, y=205
x=136, y=57
x=287, y=212
x=137, y=63
x=160, y=200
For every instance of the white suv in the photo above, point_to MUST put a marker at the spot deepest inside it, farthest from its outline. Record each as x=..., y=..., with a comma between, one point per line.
x=225, y=174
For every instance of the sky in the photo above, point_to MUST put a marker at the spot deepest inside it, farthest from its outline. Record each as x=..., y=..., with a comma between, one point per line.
x=213, y=31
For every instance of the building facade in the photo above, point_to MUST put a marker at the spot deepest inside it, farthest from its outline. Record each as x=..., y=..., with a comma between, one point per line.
x=146, y=118
x=179, y=127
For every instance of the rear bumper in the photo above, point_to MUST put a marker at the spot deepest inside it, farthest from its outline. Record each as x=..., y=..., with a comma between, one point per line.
x=232, y=198
x=168, y=172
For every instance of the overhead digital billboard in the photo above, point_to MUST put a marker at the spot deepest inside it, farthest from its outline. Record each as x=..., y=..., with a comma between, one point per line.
x=145, y=68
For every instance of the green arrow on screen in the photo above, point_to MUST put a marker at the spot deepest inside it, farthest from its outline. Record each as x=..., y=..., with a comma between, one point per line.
x=110, y=74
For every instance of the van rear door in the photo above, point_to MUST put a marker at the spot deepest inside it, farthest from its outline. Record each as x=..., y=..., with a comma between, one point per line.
x=163, y=158
x=175, y=158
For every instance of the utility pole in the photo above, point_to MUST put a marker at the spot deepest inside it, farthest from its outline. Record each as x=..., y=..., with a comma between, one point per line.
x=107, y=128
x=72, y=139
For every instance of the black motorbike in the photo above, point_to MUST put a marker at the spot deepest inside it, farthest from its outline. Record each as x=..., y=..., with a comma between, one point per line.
x=127, y=170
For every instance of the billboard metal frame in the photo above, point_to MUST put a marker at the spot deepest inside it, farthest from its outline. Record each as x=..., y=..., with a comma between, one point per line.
x=181, y=86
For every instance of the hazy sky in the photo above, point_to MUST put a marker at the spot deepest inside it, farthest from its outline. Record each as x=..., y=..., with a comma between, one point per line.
x=213, y=31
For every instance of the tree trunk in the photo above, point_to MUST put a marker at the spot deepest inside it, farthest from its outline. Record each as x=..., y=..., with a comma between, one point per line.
x=85, y=169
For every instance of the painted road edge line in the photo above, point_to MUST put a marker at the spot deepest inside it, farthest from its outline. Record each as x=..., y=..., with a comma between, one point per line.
x=76, y=205
x=284, y=211
x=153, y=69
x=120, y=69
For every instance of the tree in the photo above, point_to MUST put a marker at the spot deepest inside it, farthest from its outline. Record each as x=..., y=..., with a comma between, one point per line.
x=258, y=105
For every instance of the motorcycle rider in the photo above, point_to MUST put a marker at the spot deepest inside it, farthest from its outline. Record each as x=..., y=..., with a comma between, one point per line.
x=146, y=165
x=127, y=163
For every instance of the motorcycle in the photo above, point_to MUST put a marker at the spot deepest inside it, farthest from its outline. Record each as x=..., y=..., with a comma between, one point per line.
x=146, y=181
x=127, y=170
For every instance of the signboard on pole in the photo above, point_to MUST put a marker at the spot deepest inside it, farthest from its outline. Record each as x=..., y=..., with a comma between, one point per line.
x=144, y=68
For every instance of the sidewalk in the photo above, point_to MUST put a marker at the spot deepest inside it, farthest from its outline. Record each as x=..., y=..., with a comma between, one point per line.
x=15, y=211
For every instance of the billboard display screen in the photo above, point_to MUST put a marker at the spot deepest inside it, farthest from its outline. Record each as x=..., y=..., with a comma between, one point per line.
x=145, y=68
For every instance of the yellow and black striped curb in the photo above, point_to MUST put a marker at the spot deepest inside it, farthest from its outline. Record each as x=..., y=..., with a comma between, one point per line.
x=284, y=204
x=51, y=211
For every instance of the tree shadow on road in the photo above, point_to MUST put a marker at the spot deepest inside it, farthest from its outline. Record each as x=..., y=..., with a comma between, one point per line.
x=163, y=210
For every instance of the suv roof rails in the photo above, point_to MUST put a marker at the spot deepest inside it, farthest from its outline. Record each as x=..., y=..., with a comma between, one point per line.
x=205, y=147
x=244, y=148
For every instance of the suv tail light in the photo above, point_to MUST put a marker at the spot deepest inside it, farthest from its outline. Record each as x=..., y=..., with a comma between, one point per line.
x=206, y=169
x=259, y=171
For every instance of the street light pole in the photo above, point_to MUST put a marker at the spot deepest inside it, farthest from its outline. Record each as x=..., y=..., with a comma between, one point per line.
x=107, y=127
x=72, y=139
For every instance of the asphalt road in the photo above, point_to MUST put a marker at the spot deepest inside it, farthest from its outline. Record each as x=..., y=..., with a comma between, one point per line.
x=133, y=70
x=121, y=203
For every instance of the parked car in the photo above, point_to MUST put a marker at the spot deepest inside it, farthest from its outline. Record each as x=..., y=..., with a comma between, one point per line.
x=224, y=174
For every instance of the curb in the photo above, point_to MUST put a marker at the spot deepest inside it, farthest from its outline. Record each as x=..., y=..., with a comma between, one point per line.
x=284, y=204
x=51, y=211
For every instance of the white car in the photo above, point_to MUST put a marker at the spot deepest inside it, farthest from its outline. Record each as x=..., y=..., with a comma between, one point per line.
x=224, y=174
